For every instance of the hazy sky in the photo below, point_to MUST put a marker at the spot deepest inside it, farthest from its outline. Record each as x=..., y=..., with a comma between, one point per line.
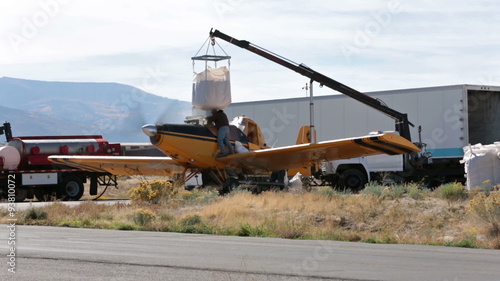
x=368, y=45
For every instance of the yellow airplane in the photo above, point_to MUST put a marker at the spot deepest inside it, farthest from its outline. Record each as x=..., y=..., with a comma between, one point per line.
x=192, y=149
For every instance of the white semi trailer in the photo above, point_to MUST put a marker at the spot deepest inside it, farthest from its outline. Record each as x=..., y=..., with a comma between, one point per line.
x=450, y=117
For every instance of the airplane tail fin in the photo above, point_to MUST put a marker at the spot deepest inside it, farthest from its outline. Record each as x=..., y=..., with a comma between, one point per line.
x=304, y=135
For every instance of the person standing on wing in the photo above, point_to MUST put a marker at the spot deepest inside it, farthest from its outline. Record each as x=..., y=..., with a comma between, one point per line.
x=219, y=119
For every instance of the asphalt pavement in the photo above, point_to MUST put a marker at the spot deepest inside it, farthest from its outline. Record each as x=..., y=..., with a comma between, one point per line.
x=56, y=253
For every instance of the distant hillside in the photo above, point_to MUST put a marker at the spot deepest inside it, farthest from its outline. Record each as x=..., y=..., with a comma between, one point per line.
x=114, y=110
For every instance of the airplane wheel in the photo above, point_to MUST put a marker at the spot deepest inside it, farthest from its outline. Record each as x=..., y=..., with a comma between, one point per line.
x=279, y=176
x=71, y=189
x=229, y=185
x=353, y=179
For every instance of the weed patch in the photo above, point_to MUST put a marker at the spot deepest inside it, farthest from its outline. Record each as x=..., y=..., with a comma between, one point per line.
x=374, y=189
x=155, y=192
x=452, y=192
x=194, y=224
x=196, y=197
x=124, y=226
x=253, y=231
x=380, y=214
x=469, y=242
x=394, y=191
x=486, y=209
x=35, y=214
x=143, y=217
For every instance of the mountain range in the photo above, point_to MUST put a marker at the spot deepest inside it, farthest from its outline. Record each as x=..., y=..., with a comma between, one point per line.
x=116, y=111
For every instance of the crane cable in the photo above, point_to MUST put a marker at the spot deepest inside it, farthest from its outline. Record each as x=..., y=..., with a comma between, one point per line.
x=211, y=57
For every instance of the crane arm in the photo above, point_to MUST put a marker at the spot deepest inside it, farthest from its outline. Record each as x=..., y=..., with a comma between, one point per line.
x=402, y=122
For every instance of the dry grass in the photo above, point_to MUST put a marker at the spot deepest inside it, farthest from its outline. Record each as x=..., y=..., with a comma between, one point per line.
x=341, y=217
x=395, y=215
x=125, y=183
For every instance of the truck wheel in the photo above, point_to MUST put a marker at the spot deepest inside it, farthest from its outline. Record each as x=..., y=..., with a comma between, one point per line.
x=353, y=179
x=46, y=194
x=21, y=194
x=70, y=189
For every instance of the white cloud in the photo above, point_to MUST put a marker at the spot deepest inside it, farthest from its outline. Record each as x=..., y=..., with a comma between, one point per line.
x=419, y=44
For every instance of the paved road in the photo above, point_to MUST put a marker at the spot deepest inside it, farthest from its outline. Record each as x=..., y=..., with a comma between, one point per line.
x=51, y=253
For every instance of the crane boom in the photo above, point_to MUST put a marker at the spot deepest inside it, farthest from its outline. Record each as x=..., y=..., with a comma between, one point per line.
x=402, y=123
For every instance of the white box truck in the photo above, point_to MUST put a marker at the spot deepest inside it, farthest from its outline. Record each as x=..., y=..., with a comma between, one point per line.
x=450, y=117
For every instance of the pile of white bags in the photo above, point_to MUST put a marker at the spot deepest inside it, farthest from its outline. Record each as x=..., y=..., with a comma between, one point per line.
x=482, y=165
x=212, y=89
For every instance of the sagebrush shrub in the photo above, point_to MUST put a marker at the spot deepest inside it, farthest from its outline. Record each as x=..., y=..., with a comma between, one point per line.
x=154, y=191
x=452, y=191
x=487, y=209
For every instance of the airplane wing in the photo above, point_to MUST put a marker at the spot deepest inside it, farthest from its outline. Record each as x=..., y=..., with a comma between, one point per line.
x=122, y=165
x=303, y=155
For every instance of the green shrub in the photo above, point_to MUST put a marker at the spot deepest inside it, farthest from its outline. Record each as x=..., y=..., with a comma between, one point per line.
x=487, y=210
x=155, y=192
x=452, y=191
x=414, y=191
x=469, y=242
x=373, y=188
x=144, y=217
x=191, y=220
x=124, y=226
x=394, y=191
x=194, y=224
x=248, y=230
x=242, y=189
x=78, y=223
x=197, y=196
x=381, y=240
x=35, y=214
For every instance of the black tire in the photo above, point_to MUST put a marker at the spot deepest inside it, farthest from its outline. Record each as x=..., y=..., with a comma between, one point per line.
x=70, y=189
x=229, y=185
x=21, y=194
x=279, y=177
x=46, y=194
x=353, y=179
